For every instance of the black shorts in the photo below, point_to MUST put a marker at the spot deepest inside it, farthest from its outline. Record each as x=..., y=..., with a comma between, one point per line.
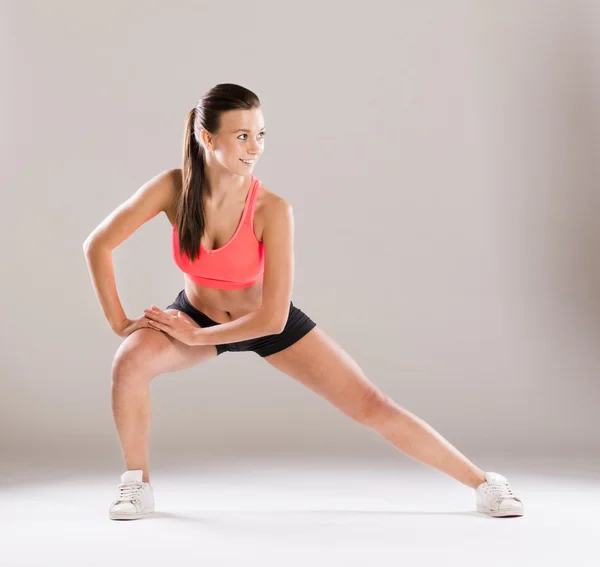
x=298, y=324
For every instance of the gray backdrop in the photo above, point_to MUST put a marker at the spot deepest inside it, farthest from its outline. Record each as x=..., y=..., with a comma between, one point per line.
x=441, y=160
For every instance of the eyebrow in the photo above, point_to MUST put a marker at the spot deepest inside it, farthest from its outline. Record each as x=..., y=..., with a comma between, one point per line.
x=244, y=130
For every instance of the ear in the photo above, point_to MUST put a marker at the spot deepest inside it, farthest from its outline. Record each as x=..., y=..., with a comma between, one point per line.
x=205, y=137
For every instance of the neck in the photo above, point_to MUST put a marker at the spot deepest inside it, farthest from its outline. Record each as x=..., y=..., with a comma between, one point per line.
x=223, y=187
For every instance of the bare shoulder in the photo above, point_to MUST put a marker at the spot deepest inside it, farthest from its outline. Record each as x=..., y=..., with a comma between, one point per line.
x=176, y=175
x=175, y=184
x=268, y=205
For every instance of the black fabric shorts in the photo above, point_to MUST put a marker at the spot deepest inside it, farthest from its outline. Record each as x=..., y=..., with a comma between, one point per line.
x=298, y=324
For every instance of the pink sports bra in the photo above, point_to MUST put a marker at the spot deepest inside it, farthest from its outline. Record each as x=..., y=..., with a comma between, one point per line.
x=237, y=264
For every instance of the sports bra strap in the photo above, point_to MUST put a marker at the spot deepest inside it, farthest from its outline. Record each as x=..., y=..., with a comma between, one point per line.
x=253, y=199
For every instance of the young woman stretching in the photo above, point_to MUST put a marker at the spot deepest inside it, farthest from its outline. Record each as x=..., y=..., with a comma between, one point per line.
x=233, y=238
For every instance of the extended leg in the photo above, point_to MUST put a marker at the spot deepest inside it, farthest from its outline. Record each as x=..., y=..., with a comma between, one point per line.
x=323, y=366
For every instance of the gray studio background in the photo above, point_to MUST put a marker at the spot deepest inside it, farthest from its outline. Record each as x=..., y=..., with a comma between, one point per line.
x=441, y=159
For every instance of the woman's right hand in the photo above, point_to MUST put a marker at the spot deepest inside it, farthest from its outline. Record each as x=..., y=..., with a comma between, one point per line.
x=128, y=326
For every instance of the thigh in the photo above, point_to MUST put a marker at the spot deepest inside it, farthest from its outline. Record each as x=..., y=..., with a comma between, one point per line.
x=319, y=363
x=156, y=352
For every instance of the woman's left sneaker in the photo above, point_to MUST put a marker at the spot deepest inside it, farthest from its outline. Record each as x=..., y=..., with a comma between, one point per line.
x=496, y=498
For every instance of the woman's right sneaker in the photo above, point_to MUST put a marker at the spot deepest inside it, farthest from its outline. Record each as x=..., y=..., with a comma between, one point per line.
x=135, y=500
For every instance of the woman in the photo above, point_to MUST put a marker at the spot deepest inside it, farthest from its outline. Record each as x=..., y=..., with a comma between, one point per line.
x=233, y=239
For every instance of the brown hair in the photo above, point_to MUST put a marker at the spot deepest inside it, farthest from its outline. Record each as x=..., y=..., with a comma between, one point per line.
x=189, y=217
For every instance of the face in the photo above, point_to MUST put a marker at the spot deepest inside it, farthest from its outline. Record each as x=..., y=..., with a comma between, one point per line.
x=241, y=137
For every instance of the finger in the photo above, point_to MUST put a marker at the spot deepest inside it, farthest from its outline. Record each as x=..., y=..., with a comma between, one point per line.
x=158, y=325
x=152, y=314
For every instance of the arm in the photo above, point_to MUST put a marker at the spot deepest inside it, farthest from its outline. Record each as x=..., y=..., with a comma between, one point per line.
x=149, y=200
x=271, y=317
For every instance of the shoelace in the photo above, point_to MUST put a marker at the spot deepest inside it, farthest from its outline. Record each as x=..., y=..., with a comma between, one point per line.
x=129, y=491
x=501, y=491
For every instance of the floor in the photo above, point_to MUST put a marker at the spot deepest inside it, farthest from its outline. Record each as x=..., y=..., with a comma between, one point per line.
x=286, y=512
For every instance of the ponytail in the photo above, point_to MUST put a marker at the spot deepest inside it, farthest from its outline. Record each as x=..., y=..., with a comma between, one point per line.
x=189, y=218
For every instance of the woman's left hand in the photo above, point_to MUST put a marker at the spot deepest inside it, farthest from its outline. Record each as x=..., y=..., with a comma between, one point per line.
x=172, y=323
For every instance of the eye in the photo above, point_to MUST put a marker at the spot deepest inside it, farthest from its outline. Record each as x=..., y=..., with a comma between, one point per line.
x=263, y=133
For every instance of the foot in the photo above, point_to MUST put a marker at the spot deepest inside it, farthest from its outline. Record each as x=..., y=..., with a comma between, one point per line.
x=496, y=498
x=135, y=499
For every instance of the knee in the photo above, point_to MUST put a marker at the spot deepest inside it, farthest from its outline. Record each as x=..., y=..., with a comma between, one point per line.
x=134, y=359
x=374, y=408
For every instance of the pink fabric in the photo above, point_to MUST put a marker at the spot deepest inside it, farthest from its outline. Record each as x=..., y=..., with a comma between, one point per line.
x=237, y=264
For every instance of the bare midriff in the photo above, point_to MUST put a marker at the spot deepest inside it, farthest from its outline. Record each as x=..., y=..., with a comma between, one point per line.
x=224, y=305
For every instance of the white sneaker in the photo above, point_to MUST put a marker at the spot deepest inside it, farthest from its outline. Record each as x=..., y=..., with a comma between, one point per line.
x=496, y=498
x=135, y=500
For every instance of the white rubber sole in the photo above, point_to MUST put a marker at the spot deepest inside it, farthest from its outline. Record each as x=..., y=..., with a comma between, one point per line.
x=136, y=516
x=508, y=512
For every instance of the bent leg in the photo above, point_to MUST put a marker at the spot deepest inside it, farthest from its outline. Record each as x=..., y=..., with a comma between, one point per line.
x=141, y=356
